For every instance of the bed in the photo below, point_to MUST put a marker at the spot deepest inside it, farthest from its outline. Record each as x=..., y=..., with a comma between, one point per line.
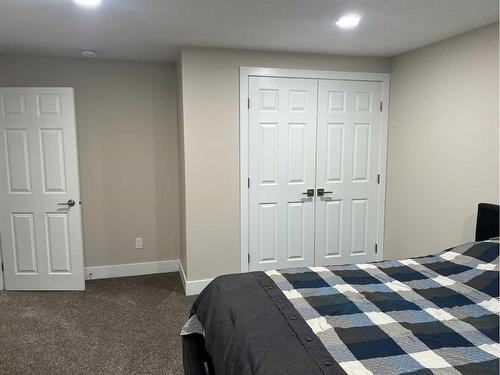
x=432, y=314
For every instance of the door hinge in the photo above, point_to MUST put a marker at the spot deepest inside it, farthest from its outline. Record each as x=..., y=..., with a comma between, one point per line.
x=378, y=179
x=249, y=182
x=376, y=248
x=381, y=106
x=248, y=258
x=248, y=103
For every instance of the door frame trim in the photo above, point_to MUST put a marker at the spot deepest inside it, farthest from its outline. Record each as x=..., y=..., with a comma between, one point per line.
x=245, y=73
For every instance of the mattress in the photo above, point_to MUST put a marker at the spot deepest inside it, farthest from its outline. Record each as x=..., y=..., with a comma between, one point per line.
x=434, y=314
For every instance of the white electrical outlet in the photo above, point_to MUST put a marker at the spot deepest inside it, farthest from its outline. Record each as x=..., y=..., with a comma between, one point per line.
x=139, y=242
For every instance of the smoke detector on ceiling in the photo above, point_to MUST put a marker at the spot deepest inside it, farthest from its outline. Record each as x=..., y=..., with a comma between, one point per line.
x=88, y=53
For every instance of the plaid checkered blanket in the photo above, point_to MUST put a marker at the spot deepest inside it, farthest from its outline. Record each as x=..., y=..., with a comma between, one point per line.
x=434, y=314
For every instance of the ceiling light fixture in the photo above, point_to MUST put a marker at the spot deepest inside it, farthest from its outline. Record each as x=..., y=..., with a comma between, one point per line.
x=88, y=3
x=348, y=21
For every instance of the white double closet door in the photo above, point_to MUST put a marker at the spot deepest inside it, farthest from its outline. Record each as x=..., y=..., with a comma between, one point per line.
x=313, y=134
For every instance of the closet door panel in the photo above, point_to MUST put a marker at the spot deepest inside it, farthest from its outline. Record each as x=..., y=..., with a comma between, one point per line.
x=348, y=133
x=282, y=154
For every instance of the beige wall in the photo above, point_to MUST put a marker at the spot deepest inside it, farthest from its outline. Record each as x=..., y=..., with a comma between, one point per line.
x=127, y=140
x=210, y=84
x=443, y=143
x=182, y=177
x=442, y=152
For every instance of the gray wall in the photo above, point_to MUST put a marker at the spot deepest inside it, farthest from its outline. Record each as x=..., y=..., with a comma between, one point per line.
x=127, y=140
x=443, y=143
x=210, y=85
x=182, y=177
x=442, y=147
x=442, y=151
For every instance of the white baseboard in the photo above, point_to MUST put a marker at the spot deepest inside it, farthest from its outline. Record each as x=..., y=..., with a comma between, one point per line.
x=131, y=269
x=183, y=276
x=193, y=287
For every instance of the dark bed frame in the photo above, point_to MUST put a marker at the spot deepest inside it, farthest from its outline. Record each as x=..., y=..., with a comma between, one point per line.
x=197, y=361
x=194, y=356
x=487, y=225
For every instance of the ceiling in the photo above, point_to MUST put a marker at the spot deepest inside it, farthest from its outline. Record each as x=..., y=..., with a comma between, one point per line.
x=153, y=30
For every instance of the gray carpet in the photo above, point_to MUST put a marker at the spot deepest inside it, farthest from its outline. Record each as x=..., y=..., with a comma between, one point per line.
x=117, y=326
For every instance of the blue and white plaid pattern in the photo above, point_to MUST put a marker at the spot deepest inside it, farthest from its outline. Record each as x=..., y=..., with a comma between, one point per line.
x=435, y=314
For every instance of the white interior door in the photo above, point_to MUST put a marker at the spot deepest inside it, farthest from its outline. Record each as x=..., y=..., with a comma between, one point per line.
x=349, y=130
x=282, y=149
x=41, y=234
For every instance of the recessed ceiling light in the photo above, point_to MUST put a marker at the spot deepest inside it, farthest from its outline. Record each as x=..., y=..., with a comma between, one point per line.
x=88, y=3
x=348, y=21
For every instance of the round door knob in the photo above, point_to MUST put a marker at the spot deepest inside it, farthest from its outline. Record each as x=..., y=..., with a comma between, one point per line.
x=71, y=203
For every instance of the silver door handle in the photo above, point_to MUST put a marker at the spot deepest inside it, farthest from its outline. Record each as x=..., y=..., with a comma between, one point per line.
x=69, y=203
